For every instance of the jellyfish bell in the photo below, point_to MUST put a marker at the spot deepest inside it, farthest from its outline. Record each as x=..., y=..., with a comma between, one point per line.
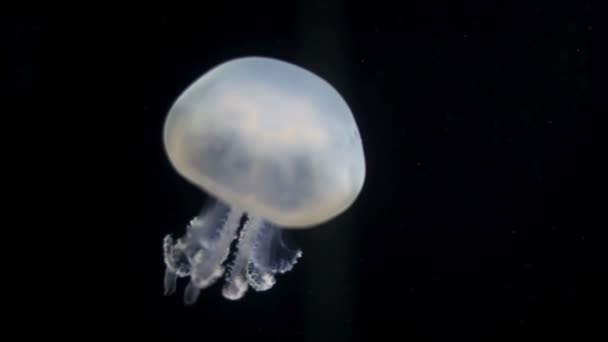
x=268, y=137
x=264, y=138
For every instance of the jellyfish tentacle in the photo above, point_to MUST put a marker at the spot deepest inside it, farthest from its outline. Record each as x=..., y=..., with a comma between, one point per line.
x=201, y=252
x=214, y=248
x=170, y=282
x=258, y=278
x=261, y=253
x=176, y=262
x=236, y=277
x=175, y=256
x=191, y=293
x=272, y=252
x=271, y=255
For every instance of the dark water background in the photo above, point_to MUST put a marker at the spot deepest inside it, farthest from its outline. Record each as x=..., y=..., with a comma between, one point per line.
x=469, y=118
x=472, y=220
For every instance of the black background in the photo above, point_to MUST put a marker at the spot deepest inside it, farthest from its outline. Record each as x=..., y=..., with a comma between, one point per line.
x=471, y=220
x=469, y=118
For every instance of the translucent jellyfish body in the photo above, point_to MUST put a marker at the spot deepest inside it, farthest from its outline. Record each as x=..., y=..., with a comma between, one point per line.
x=269, y=141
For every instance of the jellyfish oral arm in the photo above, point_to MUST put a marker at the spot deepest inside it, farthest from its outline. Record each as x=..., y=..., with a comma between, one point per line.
x=202, y=252
x=237, y=282
x=261, y=254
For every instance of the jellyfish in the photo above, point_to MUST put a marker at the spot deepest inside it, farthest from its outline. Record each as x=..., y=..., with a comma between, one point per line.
x=275, y=147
